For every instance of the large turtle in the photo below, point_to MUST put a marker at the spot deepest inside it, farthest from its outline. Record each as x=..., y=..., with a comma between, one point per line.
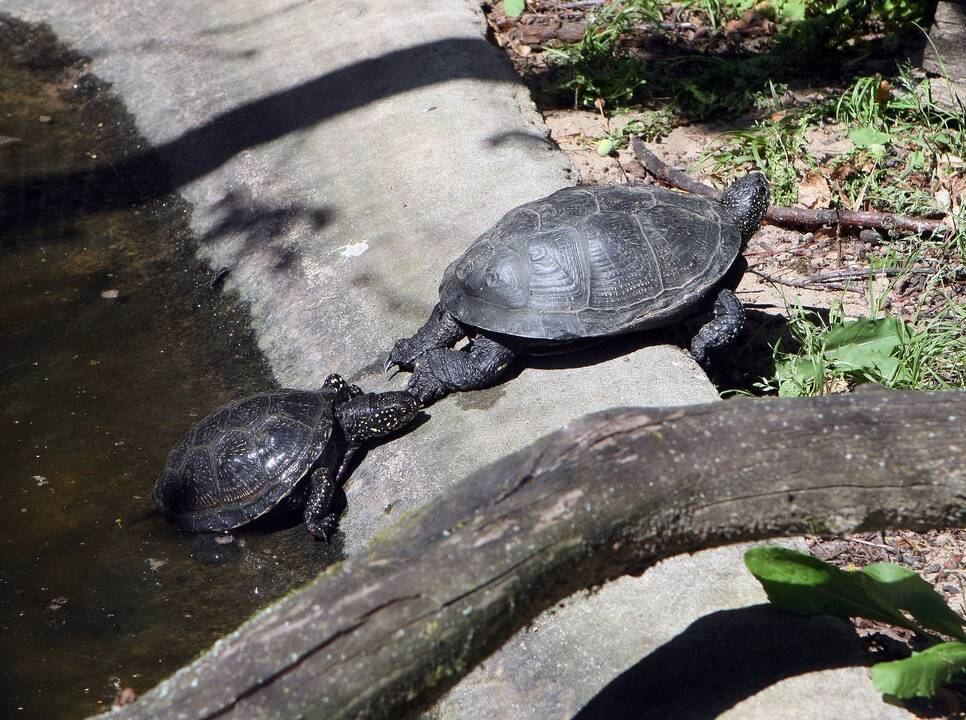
x=246, y=458
x=583, y=263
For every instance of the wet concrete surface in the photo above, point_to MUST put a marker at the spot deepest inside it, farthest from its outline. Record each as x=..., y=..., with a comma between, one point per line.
x=113, y=341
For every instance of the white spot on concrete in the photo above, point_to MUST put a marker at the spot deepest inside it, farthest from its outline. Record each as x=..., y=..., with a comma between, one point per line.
x=352, y=250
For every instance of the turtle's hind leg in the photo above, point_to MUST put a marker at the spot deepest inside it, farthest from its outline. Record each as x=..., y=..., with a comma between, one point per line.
x=729, y=319
x=440, y=331
x=319, y=519
x=440, y=371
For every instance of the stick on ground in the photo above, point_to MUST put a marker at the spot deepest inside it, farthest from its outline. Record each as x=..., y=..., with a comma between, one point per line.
x=798, y=217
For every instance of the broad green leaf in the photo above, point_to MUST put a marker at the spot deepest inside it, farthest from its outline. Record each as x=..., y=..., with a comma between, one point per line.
x=793, y=10
x=907, y=591
x=805, y=585
x=514, y=8
x=921, y=674
x=868, y=136
x=605, y=147
x=867, y=345
x=799, y=376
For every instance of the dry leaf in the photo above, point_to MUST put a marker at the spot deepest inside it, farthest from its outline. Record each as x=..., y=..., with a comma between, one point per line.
x=883, y=92
x=942, y=199
x=813, y=191
x=841, y=172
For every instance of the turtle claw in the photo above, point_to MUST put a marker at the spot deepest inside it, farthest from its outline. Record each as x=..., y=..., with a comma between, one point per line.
x=403, y=355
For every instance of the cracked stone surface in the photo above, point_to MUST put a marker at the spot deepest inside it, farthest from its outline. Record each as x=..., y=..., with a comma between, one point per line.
x=338, y=156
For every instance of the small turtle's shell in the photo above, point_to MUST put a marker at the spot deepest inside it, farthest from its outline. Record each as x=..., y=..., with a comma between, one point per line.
x=243, y=459
x=592, y=261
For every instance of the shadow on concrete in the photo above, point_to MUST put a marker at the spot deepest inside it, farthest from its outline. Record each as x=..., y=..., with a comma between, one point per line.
x=261, y=228
x=722, y=659
x=149, y=174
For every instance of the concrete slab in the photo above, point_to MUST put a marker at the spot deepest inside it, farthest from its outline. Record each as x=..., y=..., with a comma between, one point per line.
x=694, y=637
x=338, y=156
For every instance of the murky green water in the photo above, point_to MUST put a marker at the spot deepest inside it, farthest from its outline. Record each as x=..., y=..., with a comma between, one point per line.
x=112, y=342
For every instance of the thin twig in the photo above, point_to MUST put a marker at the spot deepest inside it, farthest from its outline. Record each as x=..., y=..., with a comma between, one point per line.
x=874, y=545
x=801, y=217
x=866, y=273
x=580, y=4
x=802, y=283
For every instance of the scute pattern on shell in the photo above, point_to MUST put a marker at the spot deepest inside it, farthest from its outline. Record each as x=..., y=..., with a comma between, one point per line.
x=591, y=261
x=242, y=460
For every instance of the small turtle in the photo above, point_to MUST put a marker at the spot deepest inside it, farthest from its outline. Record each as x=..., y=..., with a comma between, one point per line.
x=248, y=457
x=578, y=265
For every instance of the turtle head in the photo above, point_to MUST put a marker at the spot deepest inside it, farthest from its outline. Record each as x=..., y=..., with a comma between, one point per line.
x=375, y=414
x=747, y=200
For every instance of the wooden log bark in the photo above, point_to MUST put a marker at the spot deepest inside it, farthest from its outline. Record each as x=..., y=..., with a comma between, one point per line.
x=390, y=630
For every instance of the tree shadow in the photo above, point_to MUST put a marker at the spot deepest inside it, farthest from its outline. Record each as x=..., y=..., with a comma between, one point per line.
x=258, y=228
x=147, y=174
x=722, y=659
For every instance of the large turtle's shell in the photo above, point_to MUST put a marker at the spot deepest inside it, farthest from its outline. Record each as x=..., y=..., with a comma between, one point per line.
x=591, y=261
x=243, y=459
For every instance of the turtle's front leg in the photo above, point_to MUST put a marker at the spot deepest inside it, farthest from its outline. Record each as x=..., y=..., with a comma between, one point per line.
x=319, y=519
x=440, y=331
x=440, y=371
x=729, y=318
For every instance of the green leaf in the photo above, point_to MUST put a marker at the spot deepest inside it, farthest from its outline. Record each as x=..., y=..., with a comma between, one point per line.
x=605, y=147
x=514, y=8
x=868, y=346
x=793, y=10
x=805, y=585
x=907, y=591
x=868, y=136
x=922, y=673
x=799, y=376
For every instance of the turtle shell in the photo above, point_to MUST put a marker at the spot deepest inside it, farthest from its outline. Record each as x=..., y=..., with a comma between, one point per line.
x=592, y=261
x=242, y=460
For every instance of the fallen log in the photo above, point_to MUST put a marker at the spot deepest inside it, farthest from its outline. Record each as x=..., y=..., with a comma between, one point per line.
x=387, y=632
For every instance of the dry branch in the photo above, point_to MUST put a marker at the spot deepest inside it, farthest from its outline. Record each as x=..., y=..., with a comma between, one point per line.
x=391, y=629
x=832, y=280
x=799, y=217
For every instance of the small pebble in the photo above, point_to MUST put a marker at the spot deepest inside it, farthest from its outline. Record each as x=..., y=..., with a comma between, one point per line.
x=45, y=119
x=950, y=589
x=111, y=294
x=934, y=568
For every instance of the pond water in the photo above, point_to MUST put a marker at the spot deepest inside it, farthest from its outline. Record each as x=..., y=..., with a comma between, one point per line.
x=113, y=341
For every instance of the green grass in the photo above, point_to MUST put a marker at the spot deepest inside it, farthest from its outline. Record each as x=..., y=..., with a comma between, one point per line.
x=834, y=354
x=902, y=150
x=811, y=34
